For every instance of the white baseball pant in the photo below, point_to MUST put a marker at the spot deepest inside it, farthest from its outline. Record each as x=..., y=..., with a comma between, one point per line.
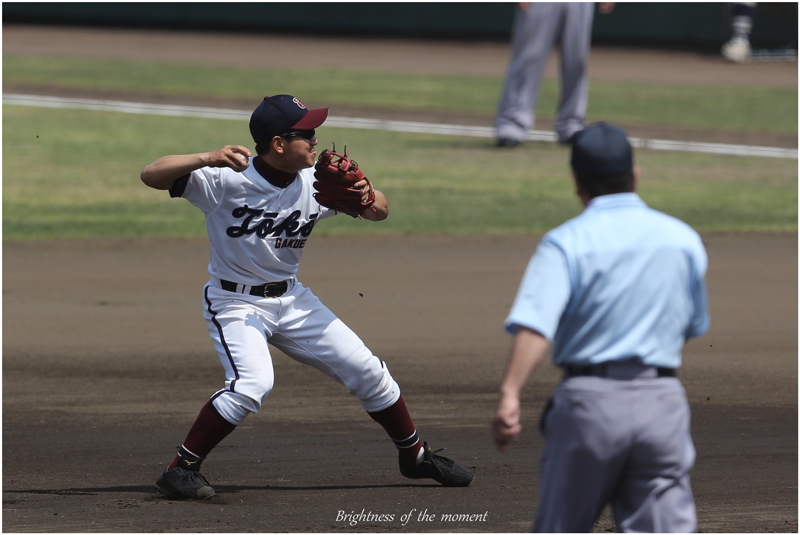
x=298, y=324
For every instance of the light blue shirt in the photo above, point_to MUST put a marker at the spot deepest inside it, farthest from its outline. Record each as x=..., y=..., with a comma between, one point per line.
x=619, y=281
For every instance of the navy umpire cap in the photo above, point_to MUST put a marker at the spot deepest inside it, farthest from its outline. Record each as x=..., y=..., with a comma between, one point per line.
x=276, y=115
x=601, y=150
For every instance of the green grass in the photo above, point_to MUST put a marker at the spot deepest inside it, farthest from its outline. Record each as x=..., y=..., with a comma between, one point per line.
x=696, y=107
x=75, y=174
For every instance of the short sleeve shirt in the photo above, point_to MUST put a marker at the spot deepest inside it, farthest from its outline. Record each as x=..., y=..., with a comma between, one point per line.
x=257, y=231
x=620, y=281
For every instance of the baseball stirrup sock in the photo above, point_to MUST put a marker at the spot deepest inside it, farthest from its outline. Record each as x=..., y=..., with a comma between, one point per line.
x=742, y=26
x=188, y=460
x=207, y=431
x=409, y=448
x=397, y=423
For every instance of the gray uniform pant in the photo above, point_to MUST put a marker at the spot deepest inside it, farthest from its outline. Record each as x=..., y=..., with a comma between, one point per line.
x=536, y=29
x=623, y=442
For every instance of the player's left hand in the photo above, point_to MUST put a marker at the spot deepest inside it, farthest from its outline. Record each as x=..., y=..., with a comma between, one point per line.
x=366, y=190
x=341, y=185
x=505, y=425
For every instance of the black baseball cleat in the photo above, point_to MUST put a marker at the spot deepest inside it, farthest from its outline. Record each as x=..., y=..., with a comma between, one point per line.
x=507, y=142
x=180, y=484
x=442, y=469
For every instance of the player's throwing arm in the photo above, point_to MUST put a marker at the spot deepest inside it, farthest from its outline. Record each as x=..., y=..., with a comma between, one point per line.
x=162, y=173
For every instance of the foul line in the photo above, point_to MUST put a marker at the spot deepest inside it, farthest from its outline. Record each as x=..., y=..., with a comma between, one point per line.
x=377, y=124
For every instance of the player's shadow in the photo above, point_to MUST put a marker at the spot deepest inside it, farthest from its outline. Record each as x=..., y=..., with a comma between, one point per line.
x=238, y=488
x=87, y=491
x=220, y=489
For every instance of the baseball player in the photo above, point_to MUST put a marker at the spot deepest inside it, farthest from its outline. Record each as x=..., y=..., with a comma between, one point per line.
x=617, y=291
x=537, y=27
x=259, y=214
x=737, y=48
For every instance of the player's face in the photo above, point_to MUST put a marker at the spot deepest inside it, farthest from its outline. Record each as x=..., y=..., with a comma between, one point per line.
x=299, y=149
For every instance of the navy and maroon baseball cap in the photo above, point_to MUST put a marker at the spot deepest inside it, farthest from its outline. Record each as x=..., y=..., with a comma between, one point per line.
x=601, y=150
x=275, y=115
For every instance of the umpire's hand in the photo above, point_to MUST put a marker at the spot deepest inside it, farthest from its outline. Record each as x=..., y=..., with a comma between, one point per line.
x=505, y=425
x=528, y=350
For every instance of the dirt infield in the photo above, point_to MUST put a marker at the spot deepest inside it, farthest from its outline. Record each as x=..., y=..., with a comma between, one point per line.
x=106, y=361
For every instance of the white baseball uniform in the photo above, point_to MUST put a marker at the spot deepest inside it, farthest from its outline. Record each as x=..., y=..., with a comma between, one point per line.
x=257, y=232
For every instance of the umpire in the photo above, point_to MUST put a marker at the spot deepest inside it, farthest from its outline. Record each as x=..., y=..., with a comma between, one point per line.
x=617, y=291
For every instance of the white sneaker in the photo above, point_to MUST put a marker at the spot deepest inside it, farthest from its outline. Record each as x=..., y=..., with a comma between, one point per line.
x=737, y=50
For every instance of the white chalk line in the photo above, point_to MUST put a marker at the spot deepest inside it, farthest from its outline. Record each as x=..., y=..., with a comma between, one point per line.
x=378, y=124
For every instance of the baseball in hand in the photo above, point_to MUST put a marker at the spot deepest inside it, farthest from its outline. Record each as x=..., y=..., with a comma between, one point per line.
x=246, y=163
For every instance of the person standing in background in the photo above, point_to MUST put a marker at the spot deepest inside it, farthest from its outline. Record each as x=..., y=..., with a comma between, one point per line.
x=737, y=49
x=538, y=26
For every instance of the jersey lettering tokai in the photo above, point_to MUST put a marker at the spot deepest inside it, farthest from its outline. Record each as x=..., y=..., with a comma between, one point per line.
x=257, y=231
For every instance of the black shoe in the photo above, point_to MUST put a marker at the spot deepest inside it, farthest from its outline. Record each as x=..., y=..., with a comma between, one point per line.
x=507, y=142
x=433, y=466
x=180, y=484
x=565, y=142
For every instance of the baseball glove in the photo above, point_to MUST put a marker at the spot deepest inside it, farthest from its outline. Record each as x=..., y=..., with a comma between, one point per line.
x=336, y=176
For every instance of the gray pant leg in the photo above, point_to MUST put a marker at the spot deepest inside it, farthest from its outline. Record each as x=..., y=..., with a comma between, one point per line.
x=624, y=442
x=575, y=43
x=655, y=494
x=583, y=456
x=532, y=38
